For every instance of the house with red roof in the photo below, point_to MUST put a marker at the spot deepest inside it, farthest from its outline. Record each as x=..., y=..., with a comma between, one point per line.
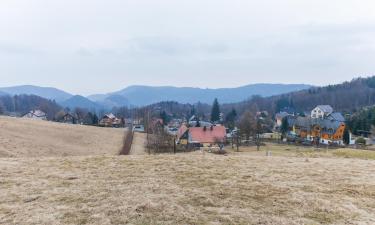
x=202, y=136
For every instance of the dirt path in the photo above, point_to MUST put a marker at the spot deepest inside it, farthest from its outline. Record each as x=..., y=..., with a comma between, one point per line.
x=139, y=144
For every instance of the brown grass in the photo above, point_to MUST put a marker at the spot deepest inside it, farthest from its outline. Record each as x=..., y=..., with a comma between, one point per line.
x=139, y=144
x=295, y=185
x=309, y=152
x=190, y=188
x=32, y=138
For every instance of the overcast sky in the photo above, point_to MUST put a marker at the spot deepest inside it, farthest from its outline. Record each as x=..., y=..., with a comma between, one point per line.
x=98, y=46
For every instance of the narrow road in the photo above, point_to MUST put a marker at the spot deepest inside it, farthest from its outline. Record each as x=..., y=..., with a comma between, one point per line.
x=139, y=144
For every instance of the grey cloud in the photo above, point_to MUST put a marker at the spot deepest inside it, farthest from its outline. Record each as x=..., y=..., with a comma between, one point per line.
x=11, y=49
x=214, y=43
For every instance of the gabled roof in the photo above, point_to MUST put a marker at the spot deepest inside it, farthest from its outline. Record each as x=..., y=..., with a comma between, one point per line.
x=325, y=108
x=70, y=114
x=209, y=135
x=299, y=121
x=38, y=113
x=193, y=118
x=306, y=123
x=328, y=124
x=336, y=117
x=201, y=123
x=181, y=131
x=281, y=115
x=110, y=116
x=289, y=110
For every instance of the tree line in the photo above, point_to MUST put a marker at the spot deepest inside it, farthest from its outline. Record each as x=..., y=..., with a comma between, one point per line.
x=347, y=97
x=22, y=104
x=19, y=105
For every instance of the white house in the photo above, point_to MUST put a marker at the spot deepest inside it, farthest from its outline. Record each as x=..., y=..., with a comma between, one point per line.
x=36, y=114
x=321, y=111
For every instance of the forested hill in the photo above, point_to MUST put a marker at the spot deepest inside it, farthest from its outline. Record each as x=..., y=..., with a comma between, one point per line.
x=346, y=97
x=22, y=104
x=146, y=95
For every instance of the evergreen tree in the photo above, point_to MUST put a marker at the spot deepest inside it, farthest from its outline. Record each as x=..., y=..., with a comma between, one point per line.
x=284, y=126
x=215, y=113
x=95, y=119
x=164, y=117
x=2, y=108
x=192, y=111
x=231, y=118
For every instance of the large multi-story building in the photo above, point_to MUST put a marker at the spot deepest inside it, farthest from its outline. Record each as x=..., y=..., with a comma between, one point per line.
x=323, y=126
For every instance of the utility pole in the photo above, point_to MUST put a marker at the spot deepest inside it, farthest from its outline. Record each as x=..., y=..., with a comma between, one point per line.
x=174, y=145
x=238, y=147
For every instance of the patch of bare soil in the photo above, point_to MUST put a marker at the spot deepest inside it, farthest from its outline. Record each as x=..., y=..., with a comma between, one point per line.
x=33, y=138
x=192, y=188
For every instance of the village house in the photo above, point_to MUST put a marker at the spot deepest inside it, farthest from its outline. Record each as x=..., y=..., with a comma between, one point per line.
x=182, y=135
x=321, y=111
x=69, y=118
x=194, y=121
x=201, y=136
x=36, y=114
x=172, y=127
x=110, y=120
x=323, y=126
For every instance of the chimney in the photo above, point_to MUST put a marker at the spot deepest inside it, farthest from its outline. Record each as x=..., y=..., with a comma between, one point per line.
x=212, y=128
x=204, y=128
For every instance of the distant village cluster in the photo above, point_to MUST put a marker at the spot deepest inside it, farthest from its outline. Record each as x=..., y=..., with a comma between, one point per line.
x=108, y=120
x=322, y=126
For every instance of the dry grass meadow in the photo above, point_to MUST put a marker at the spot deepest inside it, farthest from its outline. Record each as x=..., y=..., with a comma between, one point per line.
x=33, y=138
x=293, y=186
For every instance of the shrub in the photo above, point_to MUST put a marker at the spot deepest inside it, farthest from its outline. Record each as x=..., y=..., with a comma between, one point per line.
x=360, y=141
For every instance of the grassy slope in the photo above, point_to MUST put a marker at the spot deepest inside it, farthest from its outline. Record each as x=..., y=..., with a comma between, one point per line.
x=32, y=138
x=312, y=152
x=330, y=187
x=193, y=188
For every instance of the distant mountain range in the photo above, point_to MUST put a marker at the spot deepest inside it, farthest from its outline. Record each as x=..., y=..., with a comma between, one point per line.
x=78, y=101
x=45, y=92
x=145, y=95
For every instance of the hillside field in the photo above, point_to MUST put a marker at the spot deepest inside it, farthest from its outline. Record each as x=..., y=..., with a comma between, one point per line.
x=295, y=185
x=33, y=138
